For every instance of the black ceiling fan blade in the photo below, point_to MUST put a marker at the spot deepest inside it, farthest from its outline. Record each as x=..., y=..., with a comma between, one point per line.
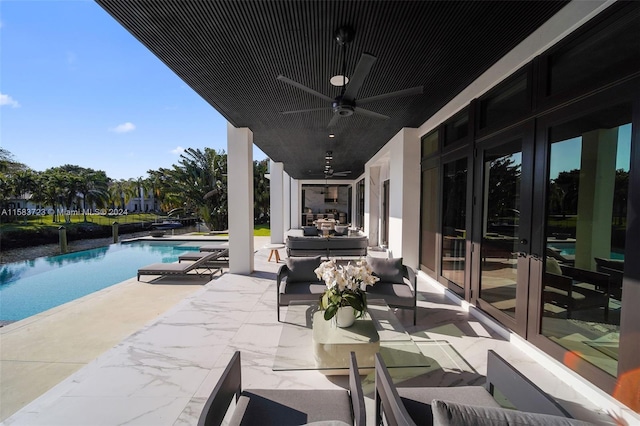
x=369, y=113
x=334, y=120
x=359, y=75
x=404, y=92
x=305, y=110
x=284, y=79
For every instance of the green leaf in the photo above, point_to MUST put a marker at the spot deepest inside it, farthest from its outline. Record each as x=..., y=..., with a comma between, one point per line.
x=330, y=312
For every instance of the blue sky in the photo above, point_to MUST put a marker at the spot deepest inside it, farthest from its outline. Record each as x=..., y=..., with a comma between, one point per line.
x=77, y=88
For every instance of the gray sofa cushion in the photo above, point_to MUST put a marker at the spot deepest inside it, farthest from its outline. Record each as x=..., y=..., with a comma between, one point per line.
x=393, y=293
x=418, y=400
x=309, y=231
x=302, y=268
x=388, y=270
x=452, y=413
x=291, y=407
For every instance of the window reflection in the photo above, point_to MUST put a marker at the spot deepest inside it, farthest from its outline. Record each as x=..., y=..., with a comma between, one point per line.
x=586, y=226
x=501, y=206
x=454, y=232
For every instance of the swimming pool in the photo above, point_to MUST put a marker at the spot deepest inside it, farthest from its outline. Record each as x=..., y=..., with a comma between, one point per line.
x=569, y=249
x=30, y=287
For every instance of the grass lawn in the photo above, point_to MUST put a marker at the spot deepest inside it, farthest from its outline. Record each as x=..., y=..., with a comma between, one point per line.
x=40, y=222
x=262, y=230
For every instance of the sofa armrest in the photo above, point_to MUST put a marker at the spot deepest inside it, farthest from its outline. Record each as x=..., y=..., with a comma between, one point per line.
x=356, y=393
x=409, y=277
x=283, y=273
x=522, y=392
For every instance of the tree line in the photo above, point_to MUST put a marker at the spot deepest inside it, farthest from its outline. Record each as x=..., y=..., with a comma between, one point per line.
x=197, y=184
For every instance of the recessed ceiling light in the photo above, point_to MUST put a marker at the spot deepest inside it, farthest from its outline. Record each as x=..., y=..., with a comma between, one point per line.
x=331, y=135
x=339, y=80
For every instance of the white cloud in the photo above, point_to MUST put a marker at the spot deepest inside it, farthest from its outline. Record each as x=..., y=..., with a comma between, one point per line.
x=8, y=100
x=178, y=150
x=124, y=127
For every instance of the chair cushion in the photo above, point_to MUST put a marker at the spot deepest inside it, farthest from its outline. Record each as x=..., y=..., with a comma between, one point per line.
x=291, y=407
x=452, y=413
x=302, y=268
x=393, y=293
x=418, y=400
x=388, y=270
x=309, y=231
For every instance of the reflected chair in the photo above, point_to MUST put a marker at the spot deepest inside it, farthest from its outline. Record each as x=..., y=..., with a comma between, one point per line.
x=266, y=407
x=577, y=289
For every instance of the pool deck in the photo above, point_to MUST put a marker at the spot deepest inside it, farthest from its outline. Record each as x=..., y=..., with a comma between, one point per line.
x=150, y=354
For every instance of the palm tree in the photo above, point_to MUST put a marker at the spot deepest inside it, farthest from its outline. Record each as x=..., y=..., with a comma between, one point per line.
x=120, y=192
x=93, y=187
x=261, y=190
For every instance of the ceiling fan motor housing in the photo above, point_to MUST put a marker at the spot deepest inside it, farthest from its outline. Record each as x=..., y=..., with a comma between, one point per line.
x=342, y=107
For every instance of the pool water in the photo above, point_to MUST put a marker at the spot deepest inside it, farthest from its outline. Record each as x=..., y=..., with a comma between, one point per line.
x=569, y=249
x=34, y=286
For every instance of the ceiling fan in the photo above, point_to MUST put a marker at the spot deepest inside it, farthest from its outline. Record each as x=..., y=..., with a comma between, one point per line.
x=346, y=103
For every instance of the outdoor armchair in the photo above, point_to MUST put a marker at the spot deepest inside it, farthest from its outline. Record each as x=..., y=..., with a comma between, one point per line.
x=297, y=281
x=468, y=405
x=397, y=285
x=282, y=407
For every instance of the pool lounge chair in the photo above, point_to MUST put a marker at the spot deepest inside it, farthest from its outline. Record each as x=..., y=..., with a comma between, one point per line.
x=181, y=269
x=218, y=262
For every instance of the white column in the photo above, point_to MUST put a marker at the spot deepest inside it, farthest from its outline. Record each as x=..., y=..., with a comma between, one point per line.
x=240, y=178
x=276, y=203
x=372, y=187
x=296, y=207
x=595, y=196
x=404, y=203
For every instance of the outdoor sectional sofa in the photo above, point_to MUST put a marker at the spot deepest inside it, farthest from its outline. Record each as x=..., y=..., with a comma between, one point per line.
x=332, y=246
x=297, y=281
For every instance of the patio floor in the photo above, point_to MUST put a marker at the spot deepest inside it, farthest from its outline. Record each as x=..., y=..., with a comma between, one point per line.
x=163, y=372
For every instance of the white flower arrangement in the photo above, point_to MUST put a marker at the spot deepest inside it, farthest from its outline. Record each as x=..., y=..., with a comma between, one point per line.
x=346, y=286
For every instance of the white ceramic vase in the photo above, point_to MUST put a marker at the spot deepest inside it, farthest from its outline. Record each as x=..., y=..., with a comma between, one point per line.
x=345, y=317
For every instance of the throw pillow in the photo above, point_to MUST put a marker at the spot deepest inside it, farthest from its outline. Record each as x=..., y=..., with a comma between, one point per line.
x=309, y=231
x=388, y=270
x=450, y=413
x=302, y=268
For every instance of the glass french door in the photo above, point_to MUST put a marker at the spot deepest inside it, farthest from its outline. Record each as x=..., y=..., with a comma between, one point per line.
x=502, y=206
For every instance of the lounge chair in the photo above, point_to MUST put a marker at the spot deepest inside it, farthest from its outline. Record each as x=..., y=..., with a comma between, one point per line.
x=182, y=268
x=266, y=407
x=214, y=247
x=219, y=262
